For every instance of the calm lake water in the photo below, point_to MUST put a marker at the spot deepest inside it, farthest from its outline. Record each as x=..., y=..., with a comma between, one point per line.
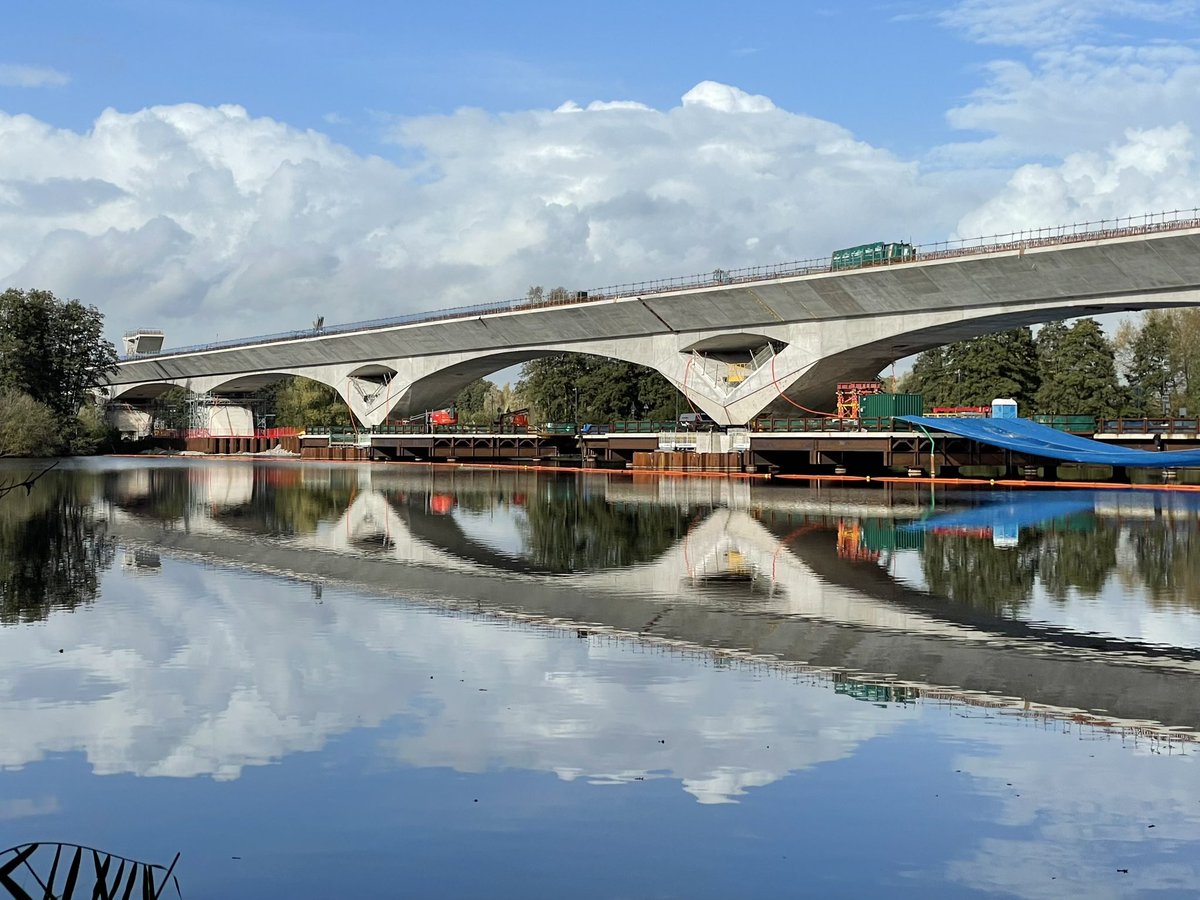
x=314, y=680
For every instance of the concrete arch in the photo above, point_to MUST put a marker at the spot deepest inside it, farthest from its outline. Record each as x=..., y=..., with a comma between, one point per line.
x=444, y=377
x=249, y=384
x=147, y=390
x=853, y=354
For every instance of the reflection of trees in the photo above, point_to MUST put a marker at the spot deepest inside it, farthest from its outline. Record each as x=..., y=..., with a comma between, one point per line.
x=1166, y=558
x=1080, y=554
x=568, y=532
x=1080, y=557
x=161, y=493
x=561, y=529
x=284, y=500
x=283, y=505
x=972, y=571
x=52, y=550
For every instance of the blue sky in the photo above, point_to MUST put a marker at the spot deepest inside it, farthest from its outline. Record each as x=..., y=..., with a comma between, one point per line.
x=886, y=72
x=237, y=168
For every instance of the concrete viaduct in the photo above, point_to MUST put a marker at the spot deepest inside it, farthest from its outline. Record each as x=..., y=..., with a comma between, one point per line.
x=736, y=345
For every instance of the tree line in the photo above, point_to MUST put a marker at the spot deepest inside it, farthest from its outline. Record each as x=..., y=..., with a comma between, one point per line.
x=1149, y=368
x=53, y=357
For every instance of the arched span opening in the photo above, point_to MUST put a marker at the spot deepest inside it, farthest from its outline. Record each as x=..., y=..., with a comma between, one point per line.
x=817, y=386
x=142, y=410
x=554, y=386
x=284, y=400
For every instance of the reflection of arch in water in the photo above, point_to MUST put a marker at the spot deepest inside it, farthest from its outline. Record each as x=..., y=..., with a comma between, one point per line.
x=808, y=617
x=727, y=548
x=727, y=556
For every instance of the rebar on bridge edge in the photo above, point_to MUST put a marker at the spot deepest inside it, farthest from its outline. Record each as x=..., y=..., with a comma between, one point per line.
x=1170, y=220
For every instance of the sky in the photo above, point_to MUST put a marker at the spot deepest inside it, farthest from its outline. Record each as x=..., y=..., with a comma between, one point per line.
x=221, y=170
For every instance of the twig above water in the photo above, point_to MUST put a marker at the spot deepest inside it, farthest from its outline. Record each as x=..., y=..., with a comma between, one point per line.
x=7, y=487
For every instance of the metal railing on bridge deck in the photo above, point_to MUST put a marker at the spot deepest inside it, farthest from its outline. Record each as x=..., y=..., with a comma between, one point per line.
x=421, y=429
x=828, y=424
x=1166, y=426
x=1125, y=226
x=643, y=427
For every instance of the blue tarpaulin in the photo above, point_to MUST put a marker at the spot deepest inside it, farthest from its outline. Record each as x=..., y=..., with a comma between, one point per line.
x=1029, y=437
x=1017, y=511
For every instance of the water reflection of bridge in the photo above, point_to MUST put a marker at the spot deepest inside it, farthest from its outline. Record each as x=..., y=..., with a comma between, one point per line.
x=731, y=581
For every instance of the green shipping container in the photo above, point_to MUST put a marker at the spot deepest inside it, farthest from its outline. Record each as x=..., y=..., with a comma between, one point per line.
x=887, y=406
x=884, y=534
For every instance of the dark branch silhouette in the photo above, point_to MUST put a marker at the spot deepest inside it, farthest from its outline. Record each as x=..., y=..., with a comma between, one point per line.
x=7, y=487
x=130, y=874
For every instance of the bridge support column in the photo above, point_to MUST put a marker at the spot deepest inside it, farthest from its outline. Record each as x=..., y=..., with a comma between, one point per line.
x=132, y=423
x=227, y=420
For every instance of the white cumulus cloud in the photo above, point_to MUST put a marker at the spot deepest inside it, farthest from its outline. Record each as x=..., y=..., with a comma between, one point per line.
x=210, y=221
x=1151, y=170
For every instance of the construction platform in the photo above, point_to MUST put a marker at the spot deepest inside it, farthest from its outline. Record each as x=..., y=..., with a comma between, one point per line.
x=824, y=446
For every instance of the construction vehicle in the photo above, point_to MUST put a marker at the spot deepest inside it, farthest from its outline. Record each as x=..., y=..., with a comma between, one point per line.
x=874, y=254
x=515, y=418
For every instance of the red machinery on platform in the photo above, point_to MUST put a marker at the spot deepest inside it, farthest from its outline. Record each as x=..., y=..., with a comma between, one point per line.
x=850, y=394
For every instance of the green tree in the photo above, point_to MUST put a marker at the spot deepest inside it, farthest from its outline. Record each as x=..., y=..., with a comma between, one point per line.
x=1151, y=374
x=605, y=390
x=931, y=378
x=995, y=365
x=1078, y=371
x=27, y=427
x=550, y=385
x=1185, y=359
x=977, y=371
x=170, y=409
x=91, y=432
x=303, y=403
x=53, y=350
x=478, y=403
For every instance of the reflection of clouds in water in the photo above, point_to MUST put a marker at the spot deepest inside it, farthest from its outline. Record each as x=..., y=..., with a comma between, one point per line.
x=1067, y=820
x=603, y=713
x=27, y=807
x=499, y=528
x=206, y=671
